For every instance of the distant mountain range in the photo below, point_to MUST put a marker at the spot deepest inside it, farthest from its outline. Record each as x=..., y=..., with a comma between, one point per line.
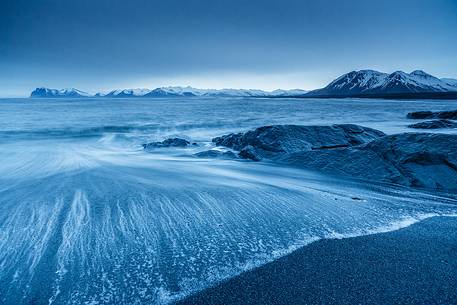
x=363, y=83
x=167, y=92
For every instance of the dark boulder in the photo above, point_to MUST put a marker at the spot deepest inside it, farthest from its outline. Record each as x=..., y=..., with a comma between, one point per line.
x=411, y=159
x=450, y=115
x=172, y=142
x=434, y=124
x=269, y=141
x=419, y=115
x=250, y=152
x=232, y=140
x=212, y=153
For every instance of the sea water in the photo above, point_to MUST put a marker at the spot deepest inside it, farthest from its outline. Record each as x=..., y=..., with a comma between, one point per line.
x=88, y=217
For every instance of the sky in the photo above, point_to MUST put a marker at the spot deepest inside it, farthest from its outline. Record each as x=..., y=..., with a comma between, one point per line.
x=98, y=45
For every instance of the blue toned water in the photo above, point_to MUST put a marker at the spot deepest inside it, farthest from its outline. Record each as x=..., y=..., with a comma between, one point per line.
x=88, y=217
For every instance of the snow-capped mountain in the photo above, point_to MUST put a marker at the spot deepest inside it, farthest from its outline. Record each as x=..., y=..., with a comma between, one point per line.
x=450, y=81
x=68, y=92
x=236, y=92
x=190, y=91
x=125, y=93
x=366, y=82
x=181, y=91
x=291, y=92
x=193, y=92
x=170, y=92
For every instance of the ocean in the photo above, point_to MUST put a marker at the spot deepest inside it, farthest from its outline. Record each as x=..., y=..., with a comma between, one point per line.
x=88, y=217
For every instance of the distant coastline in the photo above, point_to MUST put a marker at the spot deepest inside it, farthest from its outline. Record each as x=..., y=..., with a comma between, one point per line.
x=355, y=84
x=393, y=96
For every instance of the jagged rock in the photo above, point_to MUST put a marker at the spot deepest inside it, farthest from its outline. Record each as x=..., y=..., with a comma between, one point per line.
x=450, y=115
x=172, y=142
x=411, y=159
x=232, y=140
x=216, y=154
x=269, y=141
x=250, y=152
x=418, y=115
x=434, y=124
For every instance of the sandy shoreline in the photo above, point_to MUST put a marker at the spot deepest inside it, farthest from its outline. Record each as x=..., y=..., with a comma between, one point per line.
x=414, y=265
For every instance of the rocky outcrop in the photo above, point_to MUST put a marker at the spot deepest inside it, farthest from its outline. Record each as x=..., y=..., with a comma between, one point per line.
x=172, y=142
x=271, y=141
x=434, y=124
x=450, y=115
x=412, y=159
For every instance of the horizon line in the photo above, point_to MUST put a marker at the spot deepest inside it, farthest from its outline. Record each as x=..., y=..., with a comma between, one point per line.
x=107, y=91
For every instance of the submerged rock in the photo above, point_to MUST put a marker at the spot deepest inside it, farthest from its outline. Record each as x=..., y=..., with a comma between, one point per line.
x=172, y=142
x=450, y=115
x=434, y=124
x=411, y=159
x=270, y=141
x=216, y=154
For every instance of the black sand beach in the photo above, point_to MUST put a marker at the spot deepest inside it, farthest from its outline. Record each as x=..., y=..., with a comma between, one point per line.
x=414, y=265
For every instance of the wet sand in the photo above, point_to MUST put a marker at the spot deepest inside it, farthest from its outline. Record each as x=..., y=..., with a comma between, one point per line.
x=414, y=265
